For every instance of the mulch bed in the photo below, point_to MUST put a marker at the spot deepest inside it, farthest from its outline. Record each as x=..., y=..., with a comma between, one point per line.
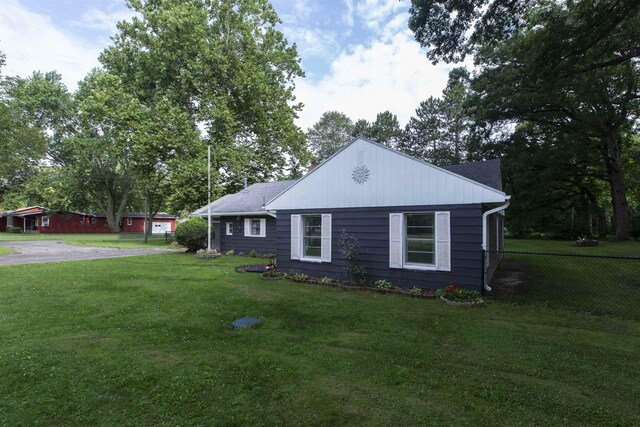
x=259, y=268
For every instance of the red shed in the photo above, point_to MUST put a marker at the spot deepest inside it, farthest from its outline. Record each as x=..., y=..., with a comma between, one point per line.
x=37, y=218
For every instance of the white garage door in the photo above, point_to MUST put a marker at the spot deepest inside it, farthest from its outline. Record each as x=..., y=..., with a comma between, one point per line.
x=161, y=227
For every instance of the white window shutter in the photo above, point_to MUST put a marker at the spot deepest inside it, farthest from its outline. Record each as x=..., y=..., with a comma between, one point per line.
x=325, y=250
x=395, y=239
x=443, y=241
x=247, y=227
x=295, y=237
x=263, y=227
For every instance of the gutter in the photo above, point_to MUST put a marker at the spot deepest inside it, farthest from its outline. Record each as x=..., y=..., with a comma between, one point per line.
x=484, y=233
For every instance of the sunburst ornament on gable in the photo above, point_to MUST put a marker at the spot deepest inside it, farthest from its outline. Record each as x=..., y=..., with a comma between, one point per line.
x=360, y=174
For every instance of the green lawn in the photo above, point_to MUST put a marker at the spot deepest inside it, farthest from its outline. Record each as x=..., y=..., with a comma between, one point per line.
x=596, y=285
x=629, y=249
x=122, y=241
x=147, y=341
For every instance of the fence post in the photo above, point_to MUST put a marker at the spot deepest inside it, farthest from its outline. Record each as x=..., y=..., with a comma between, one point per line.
x=484, y=272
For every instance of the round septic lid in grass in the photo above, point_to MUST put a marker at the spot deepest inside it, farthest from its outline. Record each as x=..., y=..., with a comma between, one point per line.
x=245, y=322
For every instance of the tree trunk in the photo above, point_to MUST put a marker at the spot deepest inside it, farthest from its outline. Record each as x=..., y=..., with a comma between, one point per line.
x=613, y=161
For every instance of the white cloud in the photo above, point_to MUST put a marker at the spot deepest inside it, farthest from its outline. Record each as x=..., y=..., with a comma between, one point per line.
x=312, y=42
x=347, y=18
x=375, y=12
x=101, y=20
x=32, y=42
x=392, y=74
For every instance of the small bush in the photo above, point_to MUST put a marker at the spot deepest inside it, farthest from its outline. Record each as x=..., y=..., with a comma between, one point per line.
x=416, y=292
x=326, y=280
x=299, y=277
x=254, y=254
x=192, y=234
x=230, y=252
x=456, y=293
x=15, y=230
x=382, y=284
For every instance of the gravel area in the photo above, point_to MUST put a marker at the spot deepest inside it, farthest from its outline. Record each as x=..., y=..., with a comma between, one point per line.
x=55, y=251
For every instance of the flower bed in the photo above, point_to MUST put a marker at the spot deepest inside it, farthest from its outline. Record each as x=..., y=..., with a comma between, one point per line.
x=456, y=296
x=391, y=290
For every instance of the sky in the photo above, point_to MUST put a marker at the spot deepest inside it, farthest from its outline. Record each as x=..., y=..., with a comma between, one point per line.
x=359, y=56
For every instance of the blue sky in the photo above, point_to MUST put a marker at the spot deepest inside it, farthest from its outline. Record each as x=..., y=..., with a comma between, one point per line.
x=358, y=55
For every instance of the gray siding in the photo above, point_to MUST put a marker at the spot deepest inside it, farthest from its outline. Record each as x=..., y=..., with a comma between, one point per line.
x=239, y=243
x=371, y=227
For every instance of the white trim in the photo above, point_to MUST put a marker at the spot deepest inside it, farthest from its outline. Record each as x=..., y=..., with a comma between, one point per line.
x=295, y=240
x=325, y=237
x=248, y=229
x=129, y=221
x=398, y=242
x=229, y=228
x=45, y=218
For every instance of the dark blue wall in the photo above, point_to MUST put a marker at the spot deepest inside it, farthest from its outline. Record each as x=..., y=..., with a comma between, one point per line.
x=239, y=243
x=371, y=227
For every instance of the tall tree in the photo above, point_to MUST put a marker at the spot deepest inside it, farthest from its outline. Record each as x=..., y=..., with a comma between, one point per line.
x=225, y=64
x=566, y=64
x=22, y=140
x=386, y=129
x=423, y=133
x=330, y=133
x=528, y=77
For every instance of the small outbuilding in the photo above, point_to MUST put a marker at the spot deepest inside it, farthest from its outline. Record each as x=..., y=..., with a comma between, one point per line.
x=41, y=220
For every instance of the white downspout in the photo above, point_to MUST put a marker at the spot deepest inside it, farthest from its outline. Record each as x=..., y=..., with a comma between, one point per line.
x=484, y=232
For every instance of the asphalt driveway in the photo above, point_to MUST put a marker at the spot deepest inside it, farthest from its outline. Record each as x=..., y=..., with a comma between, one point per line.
x=55, y=251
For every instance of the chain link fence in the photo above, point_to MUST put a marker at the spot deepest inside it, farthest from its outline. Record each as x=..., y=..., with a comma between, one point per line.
x=602, y=285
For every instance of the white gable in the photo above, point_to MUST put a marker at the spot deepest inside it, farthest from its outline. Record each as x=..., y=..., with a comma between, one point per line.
x=365, y=173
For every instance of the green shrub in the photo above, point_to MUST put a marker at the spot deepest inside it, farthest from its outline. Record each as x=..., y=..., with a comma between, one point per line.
x=383, y=284
x=254, y=254
x=16, y=230
x=192, y=234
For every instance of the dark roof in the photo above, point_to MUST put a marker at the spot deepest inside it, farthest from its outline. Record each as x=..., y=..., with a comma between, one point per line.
x=250, y=200
x=486, y=172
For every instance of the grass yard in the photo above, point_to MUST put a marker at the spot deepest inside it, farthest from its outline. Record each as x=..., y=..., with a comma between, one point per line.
x=122, y=241
x=5, y=251
x=605, y=248
x=147, y=340
x=596, y=285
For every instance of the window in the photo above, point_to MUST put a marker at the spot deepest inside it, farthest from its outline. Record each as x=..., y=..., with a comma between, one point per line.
x=255, y=227
x=93, y=220
x=45, y=221
x=229, y=229
x=311, y=236
x=9, y=221
x=420, y=239
x=129, y=221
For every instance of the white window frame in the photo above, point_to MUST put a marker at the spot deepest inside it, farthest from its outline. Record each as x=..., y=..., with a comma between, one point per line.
x=309, y=258
x=93, y=220
x=129, y=221
x=45, y=221
x=405, y=247
x=9, y=221
x=297, y=238
x=248, y=227
x=398, y=242
x=229, y=227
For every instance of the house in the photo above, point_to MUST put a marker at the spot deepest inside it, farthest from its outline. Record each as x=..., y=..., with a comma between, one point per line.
x=416, y=224
x=241, y=222
x=39, y=219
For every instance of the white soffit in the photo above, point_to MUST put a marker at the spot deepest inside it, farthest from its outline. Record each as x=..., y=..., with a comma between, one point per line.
x=365, y=173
